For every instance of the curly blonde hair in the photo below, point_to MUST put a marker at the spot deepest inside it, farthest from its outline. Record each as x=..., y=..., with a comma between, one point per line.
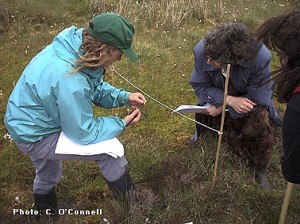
x=95, y=53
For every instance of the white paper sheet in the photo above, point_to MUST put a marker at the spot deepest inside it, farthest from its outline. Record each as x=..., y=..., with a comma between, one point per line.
x=112, y=147
x=191, y=108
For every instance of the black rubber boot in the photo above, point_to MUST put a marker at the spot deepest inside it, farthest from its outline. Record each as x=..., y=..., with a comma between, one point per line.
x=121, y=186
x=261, y=176
x=203, y=119
x=46, y=204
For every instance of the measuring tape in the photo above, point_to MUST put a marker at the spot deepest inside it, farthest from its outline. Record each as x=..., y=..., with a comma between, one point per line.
x=160, y=103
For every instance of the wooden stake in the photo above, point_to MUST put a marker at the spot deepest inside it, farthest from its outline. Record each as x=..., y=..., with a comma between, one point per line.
x=221, y=126
x=286, y=202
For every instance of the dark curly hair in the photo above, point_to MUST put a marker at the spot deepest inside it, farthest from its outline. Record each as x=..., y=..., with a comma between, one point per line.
x=282, y=35
x=231, y=43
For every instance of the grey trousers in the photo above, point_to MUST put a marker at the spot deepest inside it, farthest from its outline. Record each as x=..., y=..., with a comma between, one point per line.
x=48, y=165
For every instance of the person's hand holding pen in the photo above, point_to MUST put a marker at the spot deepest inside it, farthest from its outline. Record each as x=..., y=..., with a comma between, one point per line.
x=135, y=99
x=133, y=117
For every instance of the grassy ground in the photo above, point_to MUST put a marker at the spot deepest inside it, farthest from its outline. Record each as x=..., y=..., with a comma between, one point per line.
x=160, y=160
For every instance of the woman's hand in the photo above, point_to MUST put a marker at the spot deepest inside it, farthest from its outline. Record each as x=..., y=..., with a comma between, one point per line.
x=213, y=111
x=133, y=117
x=136, y=99
x=241, y=105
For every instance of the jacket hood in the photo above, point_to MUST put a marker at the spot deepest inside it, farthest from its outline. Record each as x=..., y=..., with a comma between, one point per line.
x=67, y=44
x=67, y=47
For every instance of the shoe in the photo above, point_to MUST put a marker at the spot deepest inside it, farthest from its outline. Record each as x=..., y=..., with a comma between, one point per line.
x=46, y=204
x=261, y=176
x=121, y=186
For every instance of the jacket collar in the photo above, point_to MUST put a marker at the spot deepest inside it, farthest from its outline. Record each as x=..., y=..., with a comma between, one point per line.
x=93, y=73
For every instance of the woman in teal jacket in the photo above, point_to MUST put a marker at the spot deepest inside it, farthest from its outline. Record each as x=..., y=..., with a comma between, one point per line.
x=53, y=100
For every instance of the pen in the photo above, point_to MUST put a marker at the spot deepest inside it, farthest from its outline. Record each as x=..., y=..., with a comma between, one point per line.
x=131, y=120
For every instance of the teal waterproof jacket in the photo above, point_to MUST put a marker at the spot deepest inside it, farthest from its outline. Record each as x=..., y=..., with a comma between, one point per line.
x=48, y=98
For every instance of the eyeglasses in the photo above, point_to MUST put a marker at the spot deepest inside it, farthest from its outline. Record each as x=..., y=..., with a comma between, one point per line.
x=214, y=59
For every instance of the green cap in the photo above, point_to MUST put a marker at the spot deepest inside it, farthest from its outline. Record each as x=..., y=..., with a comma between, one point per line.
x=113, y=29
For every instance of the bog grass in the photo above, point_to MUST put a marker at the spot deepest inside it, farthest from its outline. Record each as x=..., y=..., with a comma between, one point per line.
x=159, y=157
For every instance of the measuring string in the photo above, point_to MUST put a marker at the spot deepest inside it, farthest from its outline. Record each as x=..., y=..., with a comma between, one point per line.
x=160, y=103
